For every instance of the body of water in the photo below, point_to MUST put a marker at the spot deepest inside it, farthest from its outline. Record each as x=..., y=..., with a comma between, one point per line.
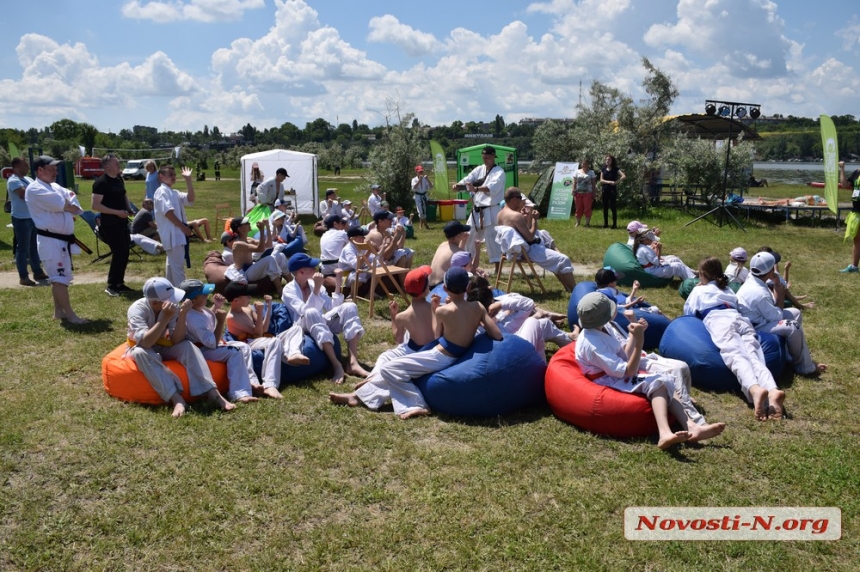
x=794, y=173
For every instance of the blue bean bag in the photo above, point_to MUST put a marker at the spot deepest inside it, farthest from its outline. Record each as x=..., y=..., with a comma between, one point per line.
x=319, y=362
x=657, y=323
x=688, y=340
x=491, y=378
x=440, y=290
x=620, y=257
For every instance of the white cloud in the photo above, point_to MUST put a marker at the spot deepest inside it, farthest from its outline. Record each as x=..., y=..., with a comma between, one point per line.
x=388, y=29
x=850, y=36
x=198, y=10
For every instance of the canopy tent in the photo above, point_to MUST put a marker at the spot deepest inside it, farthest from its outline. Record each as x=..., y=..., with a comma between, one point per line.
x=302, y=176
x=712, y=126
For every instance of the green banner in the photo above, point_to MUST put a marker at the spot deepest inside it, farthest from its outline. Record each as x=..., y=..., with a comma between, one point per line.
x=561, y=196
x=830, y=147
x=13, y=150
x=440, y=168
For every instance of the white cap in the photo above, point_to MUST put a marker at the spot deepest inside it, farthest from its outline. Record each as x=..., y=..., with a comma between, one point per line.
x=161, y=290
x=761, y=263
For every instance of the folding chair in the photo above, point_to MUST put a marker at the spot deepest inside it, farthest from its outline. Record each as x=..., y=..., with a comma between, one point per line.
x=220, y=209
x=515, y=251
x=92, y=220
x=370, y=263
x=364, y=216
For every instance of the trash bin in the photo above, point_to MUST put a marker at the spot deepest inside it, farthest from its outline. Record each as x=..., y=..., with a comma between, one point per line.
x=410, y=231
x=461, y=209
x=446, y=210
x=431, y=211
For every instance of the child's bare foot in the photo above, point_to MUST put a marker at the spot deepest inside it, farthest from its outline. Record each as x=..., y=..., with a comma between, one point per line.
x=257, y=390
x=415, y=413
x=248, y=399
x=670, y=439
x=348, y=399
x=179, y=410
x=298, y=359
x=702, y=432
x=356, y=370
x=218, y=400
x=338, y=375
x=73, y=319
x=777, y=398
x=759, y=396
x=272, y=392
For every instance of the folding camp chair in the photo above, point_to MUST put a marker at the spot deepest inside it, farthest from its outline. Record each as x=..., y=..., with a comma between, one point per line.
x=369, y=262
x=364, y=216
x=92, y=220
x=515, y=251
x=223, y=213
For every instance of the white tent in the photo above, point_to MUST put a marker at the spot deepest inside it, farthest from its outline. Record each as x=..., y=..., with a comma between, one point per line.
x=302, y=171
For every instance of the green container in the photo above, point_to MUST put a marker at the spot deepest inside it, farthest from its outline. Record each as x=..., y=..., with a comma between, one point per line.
x=431, y=211
x=410, y=231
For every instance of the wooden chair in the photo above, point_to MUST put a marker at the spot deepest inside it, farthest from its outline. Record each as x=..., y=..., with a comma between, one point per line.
x=369, y=262
x=364, y=214
x=517, y=260
x=223, y=213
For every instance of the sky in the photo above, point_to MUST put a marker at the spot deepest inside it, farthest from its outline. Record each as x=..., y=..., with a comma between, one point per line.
x=182, y=64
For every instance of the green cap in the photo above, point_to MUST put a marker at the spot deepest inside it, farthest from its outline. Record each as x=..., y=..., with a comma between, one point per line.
x=595, y=310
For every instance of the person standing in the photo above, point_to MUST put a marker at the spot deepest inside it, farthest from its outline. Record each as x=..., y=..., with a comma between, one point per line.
x=421, y=185
x=852, y=221
x=610, y=177
x=171, y=220
x=53, y=209
x=584, y=187
x=217, y=168
x=151, y=179
x=111, y=201
x=272, y=189
x=22, y=225
x=487, y=185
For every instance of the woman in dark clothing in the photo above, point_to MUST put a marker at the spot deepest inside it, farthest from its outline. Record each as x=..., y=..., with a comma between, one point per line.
x=610, y=177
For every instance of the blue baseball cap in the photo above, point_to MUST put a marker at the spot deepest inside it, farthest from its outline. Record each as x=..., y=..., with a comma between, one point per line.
x=456, y=280
x=194, y=288
x=301, y=260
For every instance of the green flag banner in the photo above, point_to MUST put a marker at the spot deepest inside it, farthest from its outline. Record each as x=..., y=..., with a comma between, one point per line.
x=830, y=147
x=13, y=150
x=440, y=167
x=561, y=196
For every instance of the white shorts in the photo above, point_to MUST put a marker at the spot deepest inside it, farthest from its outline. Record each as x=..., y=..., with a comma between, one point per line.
x=56, y=260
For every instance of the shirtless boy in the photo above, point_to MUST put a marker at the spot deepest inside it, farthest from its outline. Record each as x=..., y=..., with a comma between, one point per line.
x=456, y=324
x=243, y=249
x=456, y=235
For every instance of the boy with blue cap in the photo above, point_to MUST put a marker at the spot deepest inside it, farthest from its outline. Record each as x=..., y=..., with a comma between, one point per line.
x=322, y=316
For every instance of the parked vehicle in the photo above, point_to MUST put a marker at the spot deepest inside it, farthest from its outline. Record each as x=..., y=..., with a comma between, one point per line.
x=89, y=168
x=135, y=169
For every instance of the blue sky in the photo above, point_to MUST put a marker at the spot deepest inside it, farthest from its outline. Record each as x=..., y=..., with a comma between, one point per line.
x=182, y=64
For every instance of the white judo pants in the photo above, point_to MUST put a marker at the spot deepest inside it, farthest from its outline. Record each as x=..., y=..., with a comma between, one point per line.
x=538, y=332
x=388, y=355
x=240, y=367
x=266, y=267
x=645, y=384
x=165, y=383
x=174, y=266
x=275, y=351
x=740, y=349
x=484, y=229
x=550, y=260
x=323, y=327
x=395, y=381
x=680, y=373
x=791, y=328
x=672, y=266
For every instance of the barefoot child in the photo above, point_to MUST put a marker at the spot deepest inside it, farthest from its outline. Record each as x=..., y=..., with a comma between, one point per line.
x=323, y=316
x=156, y=331
x=239, y=254
x=251, y=325
x=717, y=306
x=605, y=361
x=456, y=324
x=204, y=328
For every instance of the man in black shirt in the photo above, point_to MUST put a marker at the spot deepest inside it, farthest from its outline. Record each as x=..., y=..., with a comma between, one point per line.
x=111, y=201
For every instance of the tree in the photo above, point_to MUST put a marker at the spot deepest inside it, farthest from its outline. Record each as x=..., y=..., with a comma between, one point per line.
x=64, y=129
x=216, y=133
x=249, y=132
x=206, y=131
x=318, y=130
x=499, y=126
x=394, y=156
x=88, y=135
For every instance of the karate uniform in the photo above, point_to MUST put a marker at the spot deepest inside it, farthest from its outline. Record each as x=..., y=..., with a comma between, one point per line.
x=173, y=240
x=321, y=316
x=733, y=335
x=46, y=202
x=484, y=222
x=515, y=318
x=332, y=242
x=200, y=330
x=662, y=267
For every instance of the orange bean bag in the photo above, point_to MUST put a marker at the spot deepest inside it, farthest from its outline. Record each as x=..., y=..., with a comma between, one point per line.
x=124, y=381
x=602, y=410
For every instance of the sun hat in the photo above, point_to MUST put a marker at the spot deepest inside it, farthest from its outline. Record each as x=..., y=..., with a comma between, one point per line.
x=738, y=254
x=456, y=280
x=194, y=288
x=160, y=289
x=761, y=263
x=416, y=280
x=643, y=232
x=595, y=310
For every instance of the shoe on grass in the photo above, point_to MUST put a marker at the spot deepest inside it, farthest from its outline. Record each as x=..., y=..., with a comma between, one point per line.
x=122, y=288
x=849, y=269
x=41, y=276
x=111, y=291
x=26, y=282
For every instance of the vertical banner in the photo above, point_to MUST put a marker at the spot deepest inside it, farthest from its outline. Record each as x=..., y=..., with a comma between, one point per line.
x=13, y=150
x=561, y=195
x=830, y=147
x=440, y=168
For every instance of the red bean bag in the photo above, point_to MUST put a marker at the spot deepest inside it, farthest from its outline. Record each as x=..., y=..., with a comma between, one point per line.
x=581, y=402
x=124, y=381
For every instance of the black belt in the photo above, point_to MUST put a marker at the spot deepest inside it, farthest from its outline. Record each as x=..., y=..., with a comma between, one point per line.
x=68, y=238
x=335, y=261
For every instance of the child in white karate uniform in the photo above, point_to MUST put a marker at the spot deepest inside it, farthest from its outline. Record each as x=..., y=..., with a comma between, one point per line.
x=605, y=361
x=717, y=306
x=654, y=262
x=736, y=270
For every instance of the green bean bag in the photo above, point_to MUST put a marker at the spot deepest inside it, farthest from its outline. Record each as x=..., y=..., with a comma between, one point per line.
x=621, y=259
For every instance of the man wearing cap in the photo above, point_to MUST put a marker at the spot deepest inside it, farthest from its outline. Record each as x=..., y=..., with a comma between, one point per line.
x=421, y=186
x=157, y=331
x=272, y=189
x=511, y=217
x=53, y=209
x=330, y=206
x=171, y=220
x=22, y=225
x=766, y=311
x=390, y=241
x=374, y=202
x=332, y=243
x=456, y=235
x=486, y=183
x=323, y=316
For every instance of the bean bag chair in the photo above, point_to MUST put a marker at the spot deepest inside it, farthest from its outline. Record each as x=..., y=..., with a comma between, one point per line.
x=584, y=404
x=293, y=374
x=687, y=286
x=214, y=268
x=123, y=380
x=440, y=290
x=620, y=258
x=491, y=378
x=657, y=323
x=688, y=340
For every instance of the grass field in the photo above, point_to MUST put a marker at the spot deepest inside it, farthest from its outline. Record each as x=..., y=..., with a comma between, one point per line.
x=91, y=483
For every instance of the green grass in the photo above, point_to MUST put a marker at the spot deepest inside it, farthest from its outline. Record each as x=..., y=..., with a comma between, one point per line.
x=91, y=483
